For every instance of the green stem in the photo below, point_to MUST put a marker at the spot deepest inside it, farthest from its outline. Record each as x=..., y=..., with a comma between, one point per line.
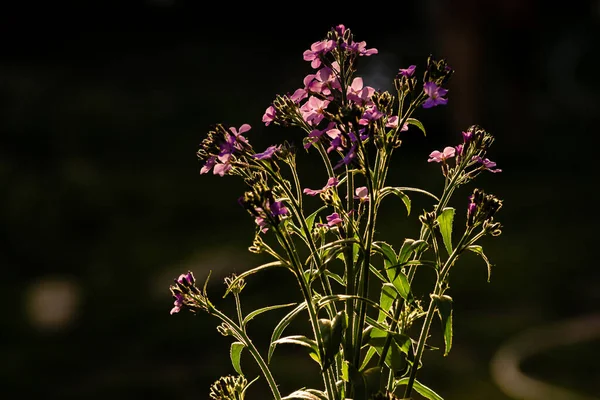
x=363, y=283
x=299, y=214
x=240, y=334
x=310, y=306
x=439, y=290
x=238, y=306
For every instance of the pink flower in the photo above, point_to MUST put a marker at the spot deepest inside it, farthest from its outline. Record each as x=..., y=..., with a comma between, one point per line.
x=331, y=182
x=269, y=115
x=312, y=110
x=360, y=94
x=316, y=50
x=439, y=156
x=362, y=194
x=392, y=122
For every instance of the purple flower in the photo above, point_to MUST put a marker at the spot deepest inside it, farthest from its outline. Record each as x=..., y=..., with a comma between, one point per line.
x=435, y=94
x=371, y=114
x=334, y=219
x=331, y=182
x=177, y=304
x=337, y=140
x=315, y=134
x=269, y=115
x=267, y=154
x=407, y=72
x=186, y=279
x=471, y=210
x=439, y=156
x=487, y=164
x=277, y=209
x=361, y=49
x=348, y=158
x=467, y=137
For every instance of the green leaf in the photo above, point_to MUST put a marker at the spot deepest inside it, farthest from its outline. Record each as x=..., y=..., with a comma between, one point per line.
x=387, y=297
x=235, y=353
x=302, y=341
x=370, y=353
x=444, y=306
x=335, y=277
x=405, y=199
x=395, y=358
x=479, y=250
x=253, y=271
x=417, y=123
x=278, y=331
x=262, y=310
x=405, y=251
x=378, y=274
x=402, y=285
x=387, y=251
x=332, y=333
x=323, y=301
x=409, y=247
x=445, y=224
x=417, y=190
x=420, y=388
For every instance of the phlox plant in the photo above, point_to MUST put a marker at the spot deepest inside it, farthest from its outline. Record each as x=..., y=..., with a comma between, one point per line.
x=367, y=344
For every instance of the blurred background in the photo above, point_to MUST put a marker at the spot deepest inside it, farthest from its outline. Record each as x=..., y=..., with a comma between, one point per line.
x=103, y=106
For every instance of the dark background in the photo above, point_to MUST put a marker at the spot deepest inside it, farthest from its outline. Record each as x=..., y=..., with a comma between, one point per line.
x=102, y=110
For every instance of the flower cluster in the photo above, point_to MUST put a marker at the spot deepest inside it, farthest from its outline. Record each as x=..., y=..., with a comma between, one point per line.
x=186, y=294
x=469, y=155
x=333, y=251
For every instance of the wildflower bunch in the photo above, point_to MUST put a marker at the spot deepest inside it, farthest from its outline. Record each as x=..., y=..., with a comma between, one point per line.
x=367, y=344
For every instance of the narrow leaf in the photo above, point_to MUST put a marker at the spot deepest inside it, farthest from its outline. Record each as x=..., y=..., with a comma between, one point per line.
x=417, y=123
x=253, y=271
x=302, y=341
x=303, y=395
x=479, y=250
x=417, y=190
x=420, y=388
x=278, y=331
x=444, y=305
x=378, y=274
x=310, y=220
x=335, y=277
x=370, y=353
x=262, y=310
x=235, y=353
x=445, y=224
x=405, y=199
